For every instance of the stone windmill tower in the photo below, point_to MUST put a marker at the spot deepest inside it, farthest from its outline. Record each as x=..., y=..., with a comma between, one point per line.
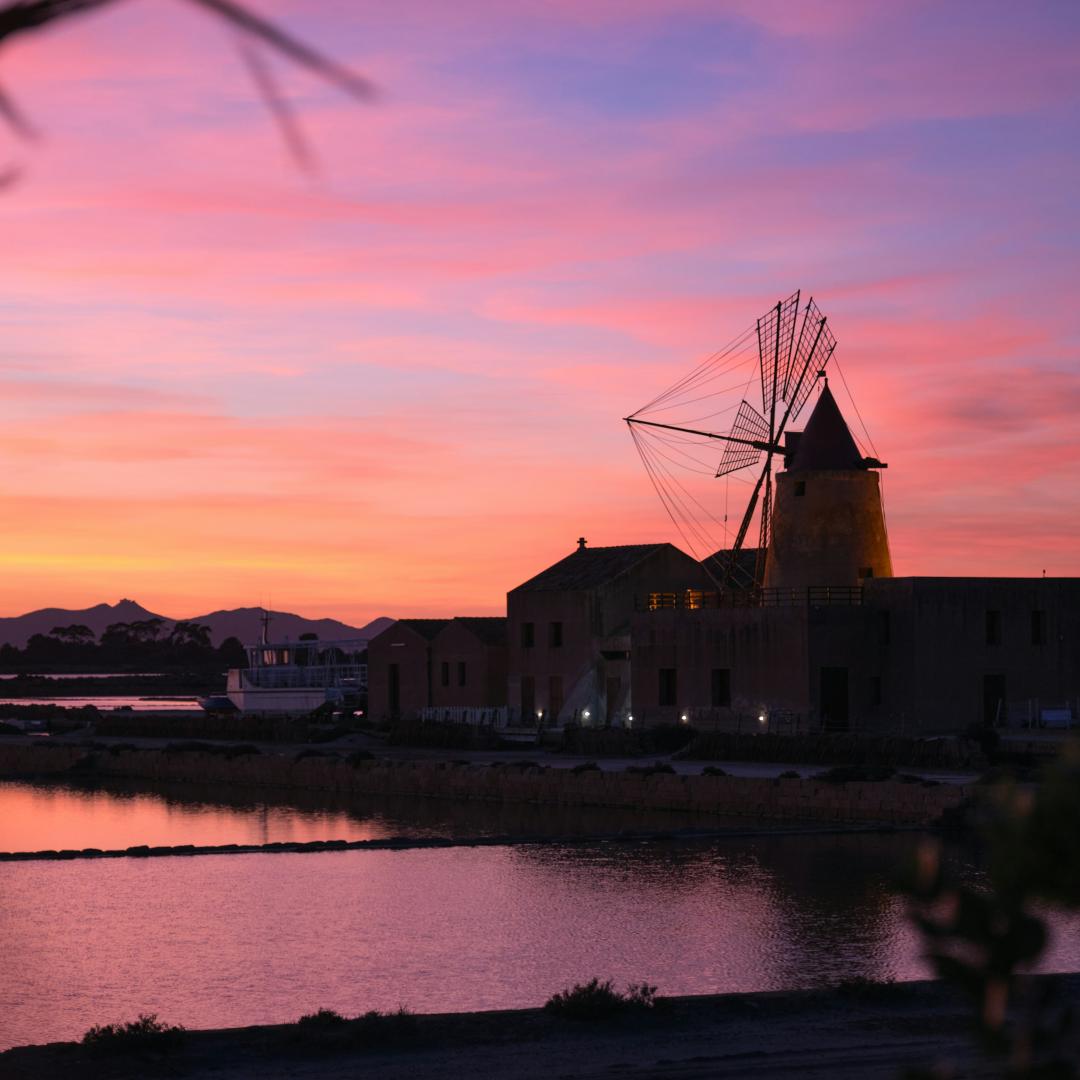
x=828, y=523
x=824, y=524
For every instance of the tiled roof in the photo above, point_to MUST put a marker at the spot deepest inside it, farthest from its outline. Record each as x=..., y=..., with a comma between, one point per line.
x=717, y=563
x=489, y=630
x=426, y=628
x=588, y=568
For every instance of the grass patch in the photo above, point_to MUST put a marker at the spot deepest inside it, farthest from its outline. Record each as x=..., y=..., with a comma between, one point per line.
x=596, y=1000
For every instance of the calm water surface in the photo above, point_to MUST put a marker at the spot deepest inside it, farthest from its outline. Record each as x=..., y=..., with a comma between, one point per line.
x=227, y=940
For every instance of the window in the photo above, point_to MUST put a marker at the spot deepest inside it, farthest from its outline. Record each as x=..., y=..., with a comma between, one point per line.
x=800, y=487
x=993, y=628
x=875, y=690
x=461, y=673
x=445, y=680
x=1038, y=628
x=668, y=692
x=528, y=635
x=555, y=635
x=721, y=687
x=866, y=571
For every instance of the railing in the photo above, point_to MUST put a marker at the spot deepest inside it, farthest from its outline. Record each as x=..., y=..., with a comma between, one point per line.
x=472, y=715
x=697, y=599
x=341, y=676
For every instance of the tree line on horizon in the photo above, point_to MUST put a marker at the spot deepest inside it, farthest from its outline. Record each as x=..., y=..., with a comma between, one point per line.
x=140, y=645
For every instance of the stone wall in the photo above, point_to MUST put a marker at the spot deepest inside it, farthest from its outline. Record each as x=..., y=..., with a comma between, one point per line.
x=884, y=802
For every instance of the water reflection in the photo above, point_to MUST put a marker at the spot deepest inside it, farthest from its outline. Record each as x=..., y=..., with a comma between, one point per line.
x=118, y=814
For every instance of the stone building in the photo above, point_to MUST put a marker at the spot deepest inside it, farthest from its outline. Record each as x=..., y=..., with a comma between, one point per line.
x=569, y=629
x=400, y=675
x=469, y=663
x=834, y=640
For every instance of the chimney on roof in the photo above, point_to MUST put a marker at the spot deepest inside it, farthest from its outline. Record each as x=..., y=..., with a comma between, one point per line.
x=581, y=543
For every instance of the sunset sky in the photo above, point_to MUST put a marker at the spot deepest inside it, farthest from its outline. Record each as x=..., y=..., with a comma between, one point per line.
x=394, y=387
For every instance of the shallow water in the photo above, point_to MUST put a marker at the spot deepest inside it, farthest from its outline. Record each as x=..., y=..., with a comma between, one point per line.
x=228, y=940
x=119, y=814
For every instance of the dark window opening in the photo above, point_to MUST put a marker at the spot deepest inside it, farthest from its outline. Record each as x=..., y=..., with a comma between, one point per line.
x=445, y=673
x=393, y=697
x=884, y=627
x=721, y=687
x=555, y=635
x=667, y=688
x=993, y=628
x=875, y=690
x=528, y=635
x=1038, y=628
x=528, y=698
x=461, y=673
x=800, y=487
x=866, y=571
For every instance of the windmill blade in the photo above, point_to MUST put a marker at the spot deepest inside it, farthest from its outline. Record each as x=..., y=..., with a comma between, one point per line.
x=749, y=425
x=776, y=333
x=815, y=346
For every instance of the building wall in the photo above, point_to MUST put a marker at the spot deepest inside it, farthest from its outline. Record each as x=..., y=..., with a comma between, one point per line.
x=410, y=652
x=918, y=656
x=591, y=666
x=763, y=651
x=949, y=657
x=482, y=679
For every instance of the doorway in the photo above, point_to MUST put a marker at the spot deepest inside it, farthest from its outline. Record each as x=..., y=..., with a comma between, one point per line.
x=993, y=699
x=834, y=698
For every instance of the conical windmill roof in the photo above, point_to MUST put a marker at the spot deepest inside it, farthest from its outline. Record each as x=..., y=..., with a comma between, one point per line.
x=826, y=442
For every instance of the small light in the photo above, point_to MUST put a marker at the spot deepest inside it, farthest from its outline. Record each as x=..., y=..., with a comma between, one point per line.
x=684, y=718
x=629, y=718
x=761, y=718
x=539, y=714
x=585, y=713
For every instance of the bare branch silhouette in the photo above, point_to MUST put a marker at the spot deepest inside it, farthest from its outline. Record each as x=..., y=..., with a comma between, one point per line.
x=253, y=30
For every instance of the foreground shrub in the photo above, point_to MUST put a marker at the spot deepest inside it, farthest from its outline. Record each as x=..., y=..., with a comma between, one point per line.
x=596, y=1000
x=324, y=1018
x=586, y=766
x=384, y=1029
x=145, y=1033
x=713, y=770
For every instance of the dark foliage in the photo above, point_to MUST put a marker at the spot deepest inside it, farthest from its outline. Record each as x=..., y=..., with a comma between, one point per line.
x=586, y=766
x=713, y=770
x=660, y=768
x=596, y=1000
x=145, y=1033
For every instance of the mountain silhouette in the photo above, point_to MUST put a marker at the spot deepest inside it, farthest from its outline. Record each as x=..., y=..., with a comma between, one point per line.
x=243, y=623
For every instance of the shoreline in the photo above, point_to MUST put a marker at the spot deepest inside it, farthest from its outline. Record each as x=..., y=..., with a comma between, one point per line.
x=409, y=843
x=861, y=1029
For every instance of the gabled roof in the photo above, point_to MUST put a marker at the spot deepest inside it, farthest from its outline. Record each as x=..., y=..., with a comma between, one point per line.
x=589, y=568
x=717, y=564
x=826, y=442
x=489, y=630
x=426, y=628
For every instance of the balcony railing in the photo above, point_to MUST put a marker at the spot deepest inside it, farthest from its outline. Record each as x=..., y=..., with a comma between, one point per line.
x=697, y=599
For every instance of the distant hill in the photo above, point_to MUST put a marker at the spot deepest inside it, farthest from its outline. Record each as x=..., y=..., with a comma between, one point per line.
x=243, y=623
x=246, y=624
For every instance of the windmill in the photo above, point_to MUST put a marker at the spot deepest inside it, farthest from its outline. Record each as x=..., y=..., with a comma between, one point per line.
x=791, y=355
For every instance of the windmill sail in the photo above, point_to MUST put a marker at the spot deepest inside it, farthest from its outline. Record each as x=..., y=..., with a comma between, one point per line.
x=792, y=348
x=749, y=425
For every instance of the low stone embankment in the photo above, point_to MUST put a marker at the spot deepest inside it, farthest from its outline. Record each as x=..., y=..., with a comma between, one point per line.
x=888, y=802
